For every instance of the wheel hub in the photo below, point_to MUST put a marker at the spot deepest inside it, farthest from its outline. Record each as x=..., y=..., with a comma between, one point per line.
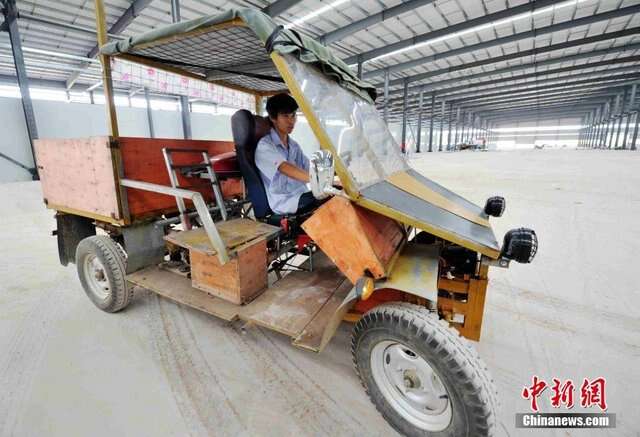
x=97, y=280
x=411, y=385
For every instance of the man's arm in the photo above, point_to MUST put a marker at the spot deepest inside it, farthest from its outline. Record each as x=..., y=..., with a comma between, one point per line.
x=294, y=172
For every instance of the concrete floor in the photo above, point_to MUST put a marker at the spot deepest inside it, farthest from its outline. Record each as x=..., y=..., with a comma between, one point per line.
x=68, y=369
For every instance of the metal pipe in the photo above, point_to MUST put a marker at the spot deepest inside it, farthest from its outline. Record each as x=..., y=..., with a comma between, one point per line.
x=198, y=202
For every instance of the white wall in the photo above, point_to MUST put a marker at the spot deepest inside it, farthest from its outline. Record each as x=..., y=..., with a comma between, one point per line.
x=76, y=120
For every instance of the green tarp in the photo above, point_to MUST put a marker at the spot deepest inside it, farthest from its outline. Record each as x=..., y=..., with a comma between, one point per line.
x=286, y=41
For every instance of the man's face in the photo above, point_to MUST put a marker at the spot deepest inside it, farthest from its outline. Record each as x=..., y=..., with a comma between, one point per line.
x=285, y=122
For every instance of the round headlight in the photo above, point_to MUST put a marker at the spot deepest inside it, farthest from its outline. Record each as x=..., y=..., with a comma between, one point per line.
x=495, y=206
x=520, y=245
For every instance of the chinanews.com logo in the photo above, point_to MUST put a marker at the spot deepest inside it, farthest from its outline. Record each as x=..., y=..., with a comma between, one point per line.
x=564, y=395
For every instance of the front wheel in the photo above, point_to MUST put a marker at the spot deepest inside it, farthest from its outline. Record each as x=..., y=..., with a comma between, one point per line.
x=421, y=375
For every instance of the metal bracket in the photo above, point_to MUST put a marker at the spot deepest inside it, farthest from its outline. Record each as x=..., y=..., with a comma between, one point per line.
x=201, y=208
x=144, y=245
x=500, y=262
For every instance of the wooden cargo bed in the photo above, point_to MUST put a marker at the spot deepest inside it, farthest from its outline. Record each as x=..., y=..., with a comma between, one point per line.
x=298, y=305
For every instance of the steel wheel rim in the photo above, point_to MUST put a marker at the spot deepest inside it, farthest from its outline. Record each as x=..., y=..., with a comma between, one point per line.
x=411, y=386
x=96, y=277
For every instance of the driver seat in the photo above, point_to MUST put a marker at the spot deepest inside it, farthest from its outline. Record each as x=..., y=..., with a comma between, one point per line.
x=247, y=129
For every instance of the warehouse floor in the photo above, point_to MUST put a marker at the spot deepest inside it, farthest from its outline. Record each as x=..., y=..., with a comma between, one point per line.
x=162, y=369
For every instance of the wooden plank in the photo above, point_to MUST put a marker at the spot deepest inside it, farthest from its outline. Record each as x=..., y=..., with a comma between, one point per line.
x=142, y=160
x=446, y=304
x=318, y=328
x=454, y=285
x=233, y=232
x=475, y=306
x=291, y=303
x=78, y=175
x=355, y=239
x=179, y=289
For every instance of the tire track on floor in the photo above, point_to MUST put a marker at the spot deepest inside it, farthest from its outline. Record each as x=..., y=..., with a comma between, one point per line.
x=197, y=390
x=295, y=388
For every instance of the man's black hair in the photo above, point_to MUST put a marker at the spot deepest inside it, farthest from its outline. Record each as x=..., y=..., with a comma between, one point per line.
x=281, y=104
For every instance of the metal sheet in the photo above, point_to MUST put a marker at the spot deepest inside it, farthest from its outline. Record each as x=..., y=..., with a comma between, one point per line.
x=448, y=194
x=415, y=271
x=442, y=199
x=399, y=204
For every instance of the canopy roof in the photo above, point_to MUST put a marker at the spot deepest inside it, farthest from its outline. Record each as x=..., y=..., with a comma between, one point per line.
x=233, y=49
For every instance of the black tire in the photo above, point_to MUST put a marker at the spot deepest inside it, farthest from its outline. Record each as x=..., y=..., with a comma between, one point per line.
x=470, y=389
x=108, y=289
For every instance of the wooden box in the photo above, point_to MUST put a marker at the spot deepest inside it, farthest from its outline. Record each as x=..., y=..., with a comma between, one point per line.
x=239, y=281
x=355, y=239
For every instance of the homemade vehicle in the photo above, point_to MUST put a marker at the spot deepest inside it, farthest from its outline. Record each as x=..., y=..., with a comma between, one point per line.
x=402, y=257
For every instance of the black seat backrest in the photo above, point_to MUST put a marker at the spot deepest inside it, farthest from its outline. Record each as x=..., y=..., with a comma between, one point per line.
x=247, y=130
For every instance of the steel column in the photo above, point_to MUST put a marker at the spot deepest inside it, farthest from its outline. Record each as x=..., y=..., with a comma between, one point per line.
x=449, y=128
x=433, y=106
x=359, y=68
x=11, y=21
x=610, y=132
x=442, y=110
x=629, y=106
x=620, y=110
x=152, y=133
x=386, y=97
x=635, y=132
x=420, y=109
x=184, y=100
x=455, y=139
x=403, y=145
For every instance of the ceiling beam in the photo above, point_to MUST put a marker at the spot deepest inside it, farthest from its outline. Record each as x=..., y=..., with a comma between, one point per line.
x=576, y=111
x=385, y=14
x=534, y=33
x=544, y=91
x=449, y=94
x=65, y=26
x=135, y=9
x=552, y=99
x=519, y=54
x=460, y=27
x=279, y=6
x=433, y=86
x=541, y=85
x=591, y=101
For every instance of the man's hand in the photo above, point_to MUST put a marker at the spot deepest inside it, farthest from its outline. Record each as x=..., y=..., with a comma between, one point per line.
x=294, y=172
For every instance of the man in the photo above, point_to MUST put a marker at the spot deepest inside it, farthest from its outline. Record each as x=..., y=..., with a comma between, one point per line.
x=283, y=167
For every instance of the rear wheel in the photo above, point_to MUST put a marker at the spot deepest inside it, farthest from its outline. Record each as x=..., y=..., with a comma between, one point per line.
x=102, y=269
x=421, y=375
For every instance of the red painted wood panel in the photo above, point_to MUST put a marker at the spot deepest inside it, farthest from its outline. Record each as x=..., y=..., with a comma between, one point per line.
x=142, y=160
